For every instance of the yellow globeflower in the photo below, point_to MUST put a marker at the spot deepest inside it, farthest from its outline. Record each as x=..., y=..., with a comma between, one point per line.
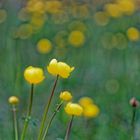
x=33, y=75
x=13, y=100
x=65, y=96
x=90, y=111
x=73, y=109
x=133, y=34
x=127, y=6
x=101, y=18
x=54, y=7
x=53, y=68
x=64, y=69
x=113, y=10
x=76, y=38
x=36, y=6
x=84, y=101
x=59, y=68
x=44, y=46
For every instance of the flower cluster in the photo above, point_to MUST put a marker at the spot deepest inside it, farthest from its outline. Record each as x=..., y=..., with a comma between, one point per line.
x=34, y=76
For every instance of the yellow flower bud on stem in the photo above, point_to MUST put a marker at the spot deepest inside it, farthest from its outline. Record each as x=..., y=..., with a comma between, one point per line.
x=28, y=116
x=42, y=125
x=69, y=128
x=51, y=119
x=15, y=123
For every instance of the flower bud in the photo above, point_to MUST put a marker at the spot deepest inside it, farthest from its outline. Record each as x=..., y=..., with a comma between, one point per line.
x=134, y=102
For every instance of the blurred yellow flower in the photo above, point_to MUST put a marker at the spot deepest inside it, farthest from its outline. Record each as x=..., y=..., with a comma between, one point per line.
x=36, y=6
x=90, y=111
x=3, y=15
x=101, y=18
x=25, y=31
x=13, y=100
x=127, y=6
x=44, y=46
x=84, y=101
x=133, y=34
x=59, y=68
x=76, y=38
x=65, y=96
x=53, y=7
x=78, y=26
x=73, y=109
x=24, y=15
x=34, y=75
x=113, y=10
x=37, y=21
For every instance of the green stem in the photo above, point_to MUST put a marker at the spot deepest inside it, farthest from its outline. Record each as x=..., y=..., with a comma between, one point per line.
x=69, y=129
x=28, y=117
x=133, y=123
x=51, y=119
x=46, y=110
x=15, y=122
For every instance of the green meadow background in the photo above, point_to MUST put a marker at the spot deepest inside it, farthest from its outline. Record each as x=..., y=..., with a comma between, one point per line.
x=106, y=72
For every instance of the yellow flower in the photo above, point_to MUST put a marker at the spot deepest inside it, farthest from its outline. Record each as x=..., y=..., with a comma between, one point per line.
x=64, y=69
x=53, y=68
x=133, y=34
x=34, y=75
x=44, y=46
x=90, y=111
x=127, y=6
x=84, y=101
x=65, y=96
x=73, y=109
x=13, y=100
x=76, y=38
x=59, y=68
x=113, y=10
x=54, y=7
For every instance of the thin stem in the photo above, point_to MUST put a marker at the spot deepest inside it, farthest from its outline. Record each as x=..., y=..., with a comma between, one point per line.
x=133, y=123
x=69, y=129
x=46, y=110
x=51, y=119
x=28, y=117
x=15, y=122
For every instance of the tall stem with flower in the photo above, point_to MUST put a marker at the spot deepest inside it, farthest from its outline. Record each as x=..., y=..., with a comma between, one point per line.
x=56, y=69
x=33, y=75
x=13, y=100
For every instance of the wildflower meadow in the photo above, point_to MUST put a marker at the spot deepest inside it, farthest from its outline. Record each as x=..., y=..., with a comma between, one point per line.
x=69, y=70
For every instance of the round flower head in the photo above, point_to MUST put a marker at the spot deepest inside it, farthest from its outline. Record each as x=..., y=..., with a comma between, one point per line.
x=84, y=101
x=53, y=68
x=13, y=100
x=59, y=68
x=133, y=34
x=64, y=69
x=76, y=38
x=33, y=75
x=44, y=46
x=73, y=109
x=90, y=111
x=65, y=96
